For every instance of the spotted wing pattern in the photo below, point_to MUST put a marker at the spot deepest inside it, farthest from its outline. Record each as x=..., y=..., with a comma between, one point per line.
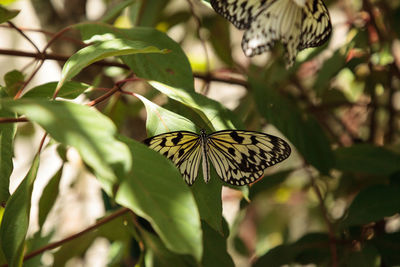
x=297, y=24
x=183, y=148
x=240, y=157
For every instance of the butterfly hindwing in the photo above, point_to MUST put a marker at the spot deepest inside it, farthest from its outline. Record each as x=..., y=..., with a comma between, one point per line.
x=183, y=148
x=240, y=157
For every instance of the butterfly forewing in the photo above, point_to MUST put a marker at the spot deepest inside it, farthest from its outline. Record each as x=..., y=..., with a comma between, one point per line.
x=183, y=148
x=240, y=157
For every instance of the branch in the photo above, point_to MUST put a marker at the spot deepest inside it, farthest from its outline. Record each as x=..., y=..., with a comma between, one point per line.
x=12, y=120
x=100, y=222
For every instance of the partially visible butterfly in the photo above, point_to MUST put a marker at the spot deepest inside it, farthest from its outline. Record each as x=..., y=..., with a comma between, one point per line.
x=298, y=24
x=239, y=157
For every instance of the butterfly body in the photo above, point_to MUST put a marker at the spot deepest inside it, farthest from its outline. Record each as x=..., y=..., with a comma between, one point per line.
x=297, y=24
x=239, y=157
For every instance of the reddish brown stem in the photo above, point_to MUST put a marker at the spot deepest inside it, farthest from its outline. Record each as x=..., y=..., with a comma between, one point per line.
x=100, y=222
x=12, y=120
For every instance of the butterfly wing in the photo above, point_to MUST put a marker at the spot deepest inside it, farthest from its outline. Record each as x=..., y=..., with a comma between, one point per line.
x=183, y=148
x=240, y=157
x=317, y=26
x=239, y=12
x=296, y=24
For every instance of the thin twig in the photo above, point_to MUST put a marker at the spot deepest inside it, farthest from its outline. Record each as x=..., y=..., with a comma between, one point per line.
x=100, y=222
x=12, y=25
x=13, y=120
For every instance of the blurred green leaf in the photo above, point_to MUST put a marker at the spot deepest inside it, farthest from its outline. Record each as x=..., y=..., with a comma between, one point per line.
x=84, y=128
x=366, y=158
x=268, y=182
x=116, y=10
x=220, y=37
x=7, y=134
x=148, y=13
x=6, y=14
x=49, y=196
x=388, y=246
x=311, y=248
x=172, y=68
x=69, y=90
x=14, y=80
x=329, y=70
x=373, y=204
x=155, y=190
x=101, y=50
x=301, y=129
x=36, y=242
x=367, y=257
x=14, y=224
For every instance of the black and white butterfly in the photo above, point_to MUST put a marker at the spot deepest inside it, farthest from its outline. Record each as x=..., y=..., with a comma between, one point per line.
x=239, y=157
x=297, y=24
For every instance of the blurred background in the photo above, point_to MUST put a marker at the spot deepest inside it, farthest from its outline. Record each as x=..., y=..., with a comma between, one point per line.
x=350, y=87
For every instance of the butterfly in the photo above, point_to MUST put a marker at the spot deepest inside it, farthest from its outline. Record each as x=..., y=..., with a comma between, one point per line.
x=297, y=24
x=239, y=157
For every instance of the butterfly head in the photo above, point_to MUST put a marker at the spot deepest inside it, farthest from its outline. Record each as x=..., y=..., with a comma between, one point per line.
x=203, y=132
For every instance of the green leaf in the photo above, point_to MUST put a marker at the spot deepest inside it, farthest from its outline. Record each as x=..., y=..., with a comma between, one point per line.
x=84, y=128
x=301, y=129
x=172, y=68
x=373, y=204
x=160, y=120
x=210, y=111
x=158, y=255
x=7, y=134
x=6, y=15
x=366, y=158
x=69, y=90
x=14, y=80
x=215, y=248
x=14, y=224
x=116, y=10
x=388, y=246
x=367, y=257
x=148, y=13
x=311, y=248
x=49, y=196
x=207, y=196
x=101, y=50
x=268, y=182
x=155, y=190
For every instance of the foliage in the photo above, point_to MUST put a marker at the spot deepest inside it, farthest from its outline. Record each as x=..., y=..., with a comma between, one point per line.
x=334, y=202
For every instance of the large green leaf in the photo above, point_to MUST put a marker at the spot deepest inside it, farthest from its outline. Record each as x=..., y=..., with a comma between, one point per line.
x=208, y=196
x=210, y=111
x=157, y=255
x=155, y=190
x=84, y=128
x=373, y=204
x=102, y=49
x=172, y=68
x=366, y=158
x=301, y=129
x=14, y=224
x=215, y=247
x=7, y=133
